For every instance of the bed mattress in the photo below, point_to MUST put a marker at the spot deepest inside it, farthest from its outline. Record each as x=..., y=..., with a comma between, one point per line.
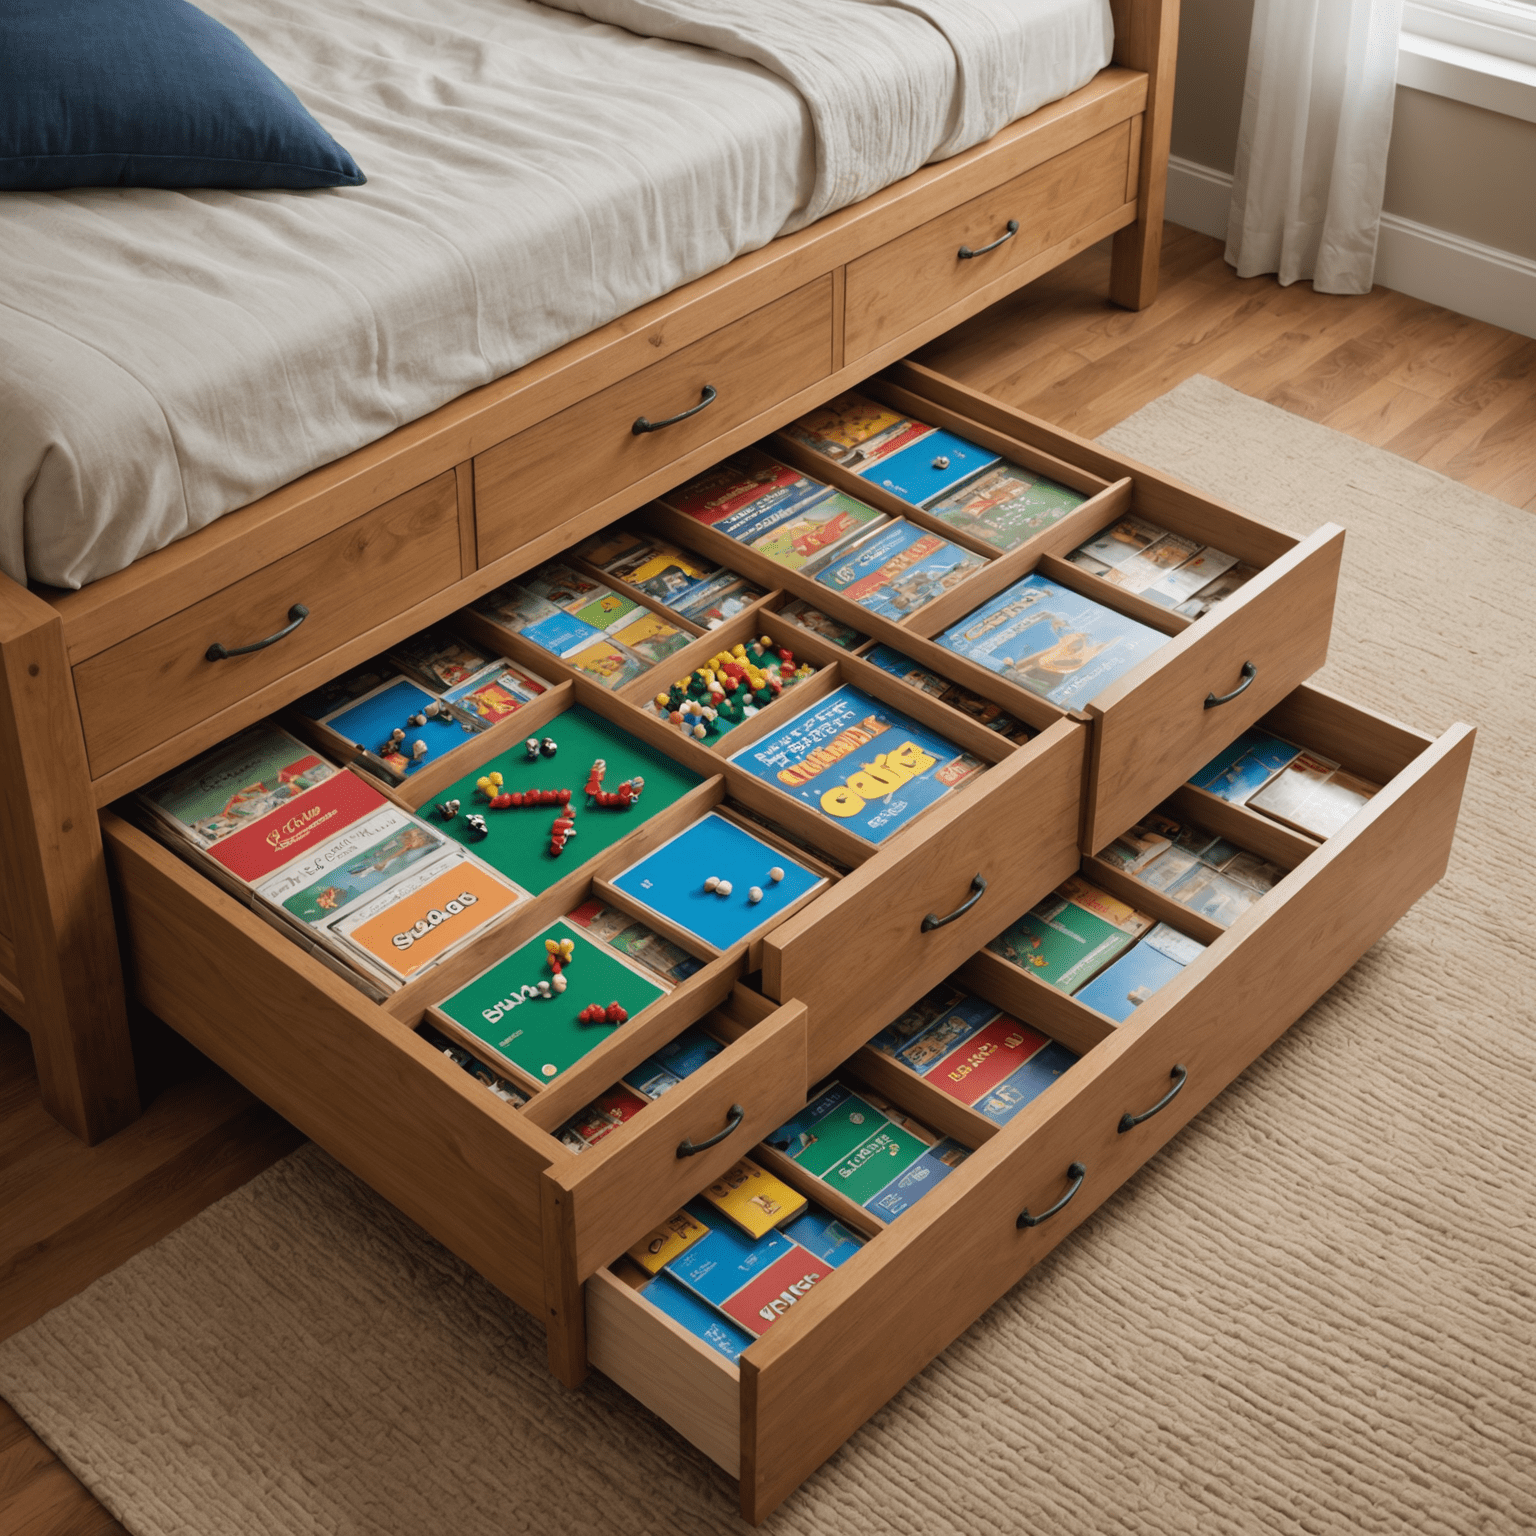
x=533, y=173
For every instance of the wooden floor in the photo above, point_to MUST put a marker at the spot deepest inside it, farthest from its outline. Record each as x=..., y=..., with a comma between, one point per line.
x=1452, y=393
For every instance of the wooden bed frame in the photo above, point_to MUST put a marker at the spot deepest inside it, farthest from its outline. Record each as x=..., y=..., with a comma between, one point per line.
x=92, y=704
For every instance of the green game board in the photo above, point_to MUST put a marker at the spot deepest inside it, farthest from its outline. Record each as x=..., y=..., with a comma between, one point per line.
x=518, y=840
x=538, y=1033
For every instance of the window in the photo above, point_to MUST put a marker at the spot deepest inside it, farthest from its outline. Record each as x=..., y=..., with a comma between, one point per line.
x=1478, y=51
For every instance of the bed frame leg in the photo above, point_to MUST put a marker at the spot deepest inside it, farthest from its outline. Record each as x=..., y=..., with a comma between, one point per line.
x=62, y=937
x=1146, y=38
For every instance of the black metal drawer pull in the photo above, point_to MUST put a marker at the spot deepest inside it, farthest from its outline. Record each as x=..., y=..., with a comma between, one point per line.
x=978, y=890
x=1077, y=1173
x=296, y=616
x=1249, y=673
x=966, y=253
x=1180, y=1076
x=733, y=1119
x=645, y=424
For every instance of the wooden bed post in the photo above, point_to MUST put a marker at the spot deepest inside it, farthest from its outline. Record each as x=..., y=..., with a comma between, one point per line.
x=1146, y=38
x=59, y=952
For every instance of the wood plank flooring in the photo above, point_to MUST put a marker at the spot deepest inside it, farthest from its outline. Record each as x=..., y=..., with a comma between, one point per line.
x=1454, y=394
x=70, y=1213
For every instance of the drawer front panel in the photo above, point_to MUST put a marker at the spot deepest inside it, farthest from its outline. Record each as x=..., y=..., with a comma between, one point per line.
x=1152, y=729
x=146, y=689
x=380, y=1100
x=577, y=458
x=859, y=955
x=852, y=1344
x=620, y=1190
x=894, y=288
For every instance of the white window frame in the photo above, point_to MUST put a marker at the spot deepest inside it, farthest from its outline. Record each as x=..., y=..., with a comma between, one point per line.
x=1482, y=52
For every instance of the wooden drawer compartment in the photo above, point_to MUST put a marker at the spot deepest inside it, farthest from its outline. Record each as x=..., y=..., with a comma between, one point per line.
x=863, y=1332
x=559, y=474
x=895, y=289
x=356, y=1077
x=146, y=689
x=1152, y=728
x=994, y=845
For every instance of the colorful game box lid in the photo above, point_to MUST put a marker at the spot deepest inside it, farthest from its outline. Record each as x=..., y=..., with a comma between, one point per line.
x=673, y=881
x=1048, y=640
x=859, y=762
x=929, y=467
x=543, y=1036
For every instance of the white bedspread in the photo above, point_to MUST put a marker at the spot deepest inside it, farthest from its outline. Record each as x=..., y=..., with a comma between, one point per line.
x=890, y=84
x=167, y=357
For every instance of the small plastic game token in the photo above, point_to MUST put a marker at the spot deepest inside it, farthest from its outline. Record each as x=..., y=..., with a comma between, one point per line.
x=712, y=882
x=775, y=874
x=419, y=749
x=755, y=895
x=549, y=746
x=723, y=888
x=447, y=810
x=532, y=747
x=549, y=1069
x=942, y=462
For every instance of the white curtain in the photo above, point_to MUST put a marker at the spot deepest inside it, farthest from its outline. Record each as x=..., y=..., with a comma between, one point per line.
x=1312, y=149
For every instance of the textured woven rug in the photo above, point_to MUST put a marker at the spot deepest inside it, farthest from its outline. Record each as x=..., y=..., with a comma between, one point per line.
x=1313, y=1312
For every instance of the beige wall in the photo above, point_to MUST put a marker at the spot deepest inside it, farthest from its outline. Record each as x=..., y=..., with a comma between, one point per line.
x=1452, y=166
x=1208, y=95
x=1463, y=169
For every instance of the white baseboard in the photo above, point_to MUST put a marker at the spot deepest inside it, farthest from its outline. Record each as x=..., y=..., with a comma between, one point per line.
x=1430, y=264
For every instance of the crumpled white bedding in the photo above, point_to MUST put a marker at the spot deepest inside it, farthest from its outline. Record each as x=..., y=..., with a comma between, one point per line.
x=166, y=357
x=890, y=84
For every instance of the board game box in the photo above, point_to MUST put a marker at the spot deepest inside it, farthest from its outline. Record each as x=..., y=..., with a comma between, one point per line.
x=858, y=761
x=745, y=496
x=928, y=468
x=817, y=531
x=1006, y=504
x=1313, y=795
x=234, y=784
x=541, y=1037
x=1048, y=640
x=898, y=569
x=1152, y=963
x=1071, y=935
x=855, y=431
x=673, y=881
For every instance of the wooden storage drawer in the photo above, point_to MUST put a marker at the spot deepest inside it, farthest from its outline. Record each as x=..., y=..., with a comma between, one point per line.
x=862, y=1333
x=356, y=1077
x=1153, y=727
x=986, y=853
x=146, y=689
x=895, y=289
x=559, y=473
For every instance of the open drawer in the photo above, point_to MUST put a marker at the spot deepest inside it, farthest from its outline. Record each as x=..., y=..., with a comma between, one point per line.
x=359, y=1079
x=907, y=910
x=861, y=1333
x=1185, y=700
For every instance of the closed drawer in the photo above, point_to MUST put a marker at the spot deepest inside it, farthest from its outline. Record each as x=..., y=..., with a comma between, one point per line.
x=576, y=460
x=855, y=1339
x=894, y=289
x=145, y=690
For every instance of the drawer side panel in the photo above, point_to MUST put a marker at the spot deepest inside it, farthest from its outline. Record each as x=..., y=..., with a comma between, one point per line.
x=374, y=1095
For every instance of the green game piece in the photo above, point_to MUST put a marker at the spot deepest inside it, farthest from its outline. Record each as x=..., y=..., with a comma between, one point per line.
x=518, y=840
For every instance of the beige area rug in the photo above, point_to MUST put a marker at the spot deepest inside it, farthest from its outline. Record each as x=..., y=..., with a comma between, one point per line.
x=1312, y=1313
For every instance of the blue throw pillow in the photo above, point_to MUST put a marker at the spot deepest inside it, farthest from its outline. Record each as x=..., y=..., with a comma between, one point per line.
x=148, y=93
